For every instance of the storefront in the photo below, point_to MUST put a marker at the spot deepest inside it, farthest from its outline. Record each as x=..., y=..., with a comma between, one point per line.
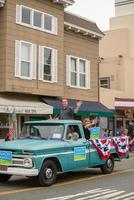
x=17, y=108
x=124, y=108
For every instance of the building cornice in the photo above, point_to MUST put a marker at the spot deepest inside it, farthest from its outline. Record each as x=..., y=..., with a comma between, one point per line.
x=64, y=2
x=2, y=2
x=123, y=2
x=85, y=32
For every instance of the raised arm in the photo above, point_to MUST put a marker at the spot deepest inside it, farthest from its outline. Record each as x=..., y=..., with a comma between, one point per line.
x=78, y=105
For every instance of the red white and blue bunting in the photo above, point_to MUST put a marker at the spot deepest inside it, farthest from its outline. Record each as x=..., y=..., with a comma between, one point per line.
x=121, y=145
x=104, y=145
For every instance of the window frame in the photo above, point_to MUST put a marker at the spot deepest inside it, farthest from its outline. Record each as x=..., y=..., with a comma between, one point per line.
x=54, y=21
x=53, y=64
x=29, y=61
x=108, y=82
x=18, y=59
x=87, y=72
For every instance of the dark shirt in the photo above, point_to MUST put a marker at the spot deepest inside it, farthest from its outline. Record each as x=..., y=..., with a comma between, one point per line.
x=67, y=113
x=86, y=133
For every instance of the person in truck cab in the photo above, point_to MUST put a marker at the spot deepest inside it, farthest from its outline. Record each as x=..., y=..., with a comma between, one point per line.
x=71, y=134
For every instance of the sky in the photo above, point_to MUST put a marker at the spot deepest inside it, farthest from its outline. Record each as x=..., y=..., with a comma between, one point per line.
x=98, y=11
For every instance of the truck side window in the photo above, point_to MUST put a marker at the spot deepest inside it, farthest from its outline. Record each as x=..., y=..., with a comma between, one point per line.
x=73, y=132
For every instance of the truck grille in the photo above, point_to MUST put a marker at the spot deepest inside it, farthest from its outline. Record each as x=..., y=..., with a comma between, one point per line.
x=17, y=162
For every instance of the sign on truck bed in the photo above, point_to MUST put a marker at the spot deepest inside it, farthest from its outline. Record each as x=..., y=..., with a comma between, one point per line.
x=45, y=148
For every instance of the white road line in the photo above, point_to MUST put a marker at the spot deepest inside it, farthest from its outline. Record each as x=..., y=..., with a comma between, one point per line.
x=75, y=195
x=78, y=194
x=125, y=195
x=98, y=194
x=109, y=195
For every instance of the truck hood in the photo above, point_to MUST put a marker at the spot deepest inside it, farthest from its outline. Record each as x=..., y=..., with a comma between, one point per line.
x=31, y=145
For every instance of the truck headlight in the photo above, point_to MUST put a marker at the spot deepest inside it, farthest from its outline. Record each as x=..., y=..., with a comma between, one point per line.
x=28, y=163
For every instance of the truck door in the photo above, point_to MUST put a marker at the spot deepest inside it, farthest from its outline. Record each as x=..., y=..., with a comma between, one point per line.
x=77, y=148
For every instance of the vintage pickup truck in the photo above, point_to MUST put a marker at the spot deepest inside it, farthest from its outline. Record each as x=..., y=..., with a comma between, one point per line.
x=43, y=149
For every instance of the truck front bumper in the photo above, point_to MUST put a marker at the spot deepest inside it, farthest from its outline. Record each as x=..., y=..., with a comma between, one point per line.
x=20, y=171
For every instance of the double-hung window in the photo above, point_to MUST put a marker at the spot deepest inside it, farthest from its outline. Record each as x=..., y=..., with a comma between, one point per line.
x=78, y=72
x=47, y=64
x=25, y=60
x=36, y=19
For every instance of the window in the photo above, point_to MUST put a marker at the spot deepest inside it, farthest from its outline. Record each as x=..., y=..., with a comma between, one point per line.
x=78, y=72
x=105, y=82
x=25, y=60
x=36, y=19
x=47, y=64
x=73, y=72
x=48, y=22
x=26, y=16
x=82, y=73
x=73, y=132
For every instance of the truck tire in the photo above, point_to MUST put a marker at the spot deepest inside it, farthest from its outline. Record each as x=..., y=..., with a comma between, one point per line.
x=4, y=177
x=108, y=166
x=48, y=173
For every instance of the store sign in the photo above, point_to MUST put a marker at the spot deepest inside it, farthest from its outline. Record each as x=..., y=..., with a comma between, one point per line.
x=124, y=104
x=23, y=110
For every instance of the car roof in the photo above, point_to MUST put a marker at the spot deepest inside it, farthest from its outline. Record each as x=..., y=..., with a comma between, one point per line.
x=54, y=122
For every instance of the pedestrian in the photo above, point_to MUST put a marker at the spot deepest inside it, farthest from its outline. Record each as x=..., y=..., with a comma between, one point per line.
x=105, y=134
x=67, y=112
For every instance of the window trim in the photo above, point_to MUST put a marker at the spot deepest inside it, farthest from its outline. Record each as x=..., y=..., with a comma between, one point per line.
x=31, y=25
x=87, y=72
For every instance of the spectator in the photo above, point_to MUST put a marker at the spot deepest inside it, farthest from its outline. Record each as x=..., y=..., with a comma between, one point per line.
x=106, y=133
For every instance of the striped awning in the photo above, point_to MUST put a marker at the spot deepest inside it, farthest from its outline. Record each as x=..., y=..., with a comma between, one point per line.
x=124, y=104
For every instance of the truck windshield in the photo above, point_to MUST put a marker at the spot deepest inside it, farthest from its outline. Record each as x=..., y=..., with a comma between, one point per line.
x=45, y=131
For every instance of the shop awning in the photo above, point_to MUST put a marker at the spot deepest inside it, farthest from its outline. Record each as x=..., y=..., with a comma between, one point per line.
x=23, y=104
x=88, y=108
x=124, y=104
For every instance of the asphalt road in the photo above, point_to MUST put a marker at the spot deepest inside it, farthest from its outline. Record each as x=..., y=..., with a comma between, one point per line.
x=88, y=184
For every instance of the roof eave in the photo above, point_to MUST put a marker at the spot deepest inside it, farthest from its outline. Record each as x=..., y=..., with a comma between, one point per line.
x=64, y=2
x=2, y=3
x=86, y=32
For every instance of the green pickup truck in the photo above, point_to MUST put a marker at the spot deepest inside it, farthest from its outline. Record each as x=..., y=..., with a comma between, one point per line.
x=45, y=148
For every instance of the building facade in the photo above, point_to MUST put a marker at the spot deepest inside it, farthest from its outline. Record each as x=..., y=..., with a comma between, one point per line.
x=44, y=52
x=117, y=64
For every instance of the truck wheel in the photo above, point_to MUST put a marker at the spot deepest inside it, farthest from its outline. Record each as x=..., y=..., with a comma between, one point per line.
x=4, y=177
x=48, y=173
x=108, y=166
